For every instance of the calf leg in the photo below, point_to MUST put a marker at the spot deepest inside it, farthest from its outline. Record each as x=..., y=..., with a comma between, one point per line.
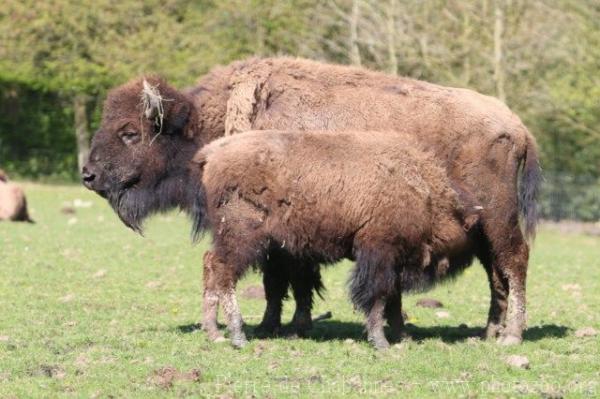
x=234, y=316
x=220, y=288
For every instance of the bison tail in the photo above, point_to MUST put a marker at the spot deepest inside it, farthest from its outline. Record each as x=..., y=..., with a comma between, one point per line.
x=529, y=187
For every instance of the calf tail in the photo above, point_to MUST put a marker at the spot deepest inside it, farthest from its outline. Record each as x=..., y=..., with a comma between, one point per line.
x=529, y=187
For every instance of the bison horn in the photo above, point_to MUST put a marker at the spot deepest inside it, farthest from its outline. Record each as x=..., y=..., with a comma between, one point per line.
x=152, y=102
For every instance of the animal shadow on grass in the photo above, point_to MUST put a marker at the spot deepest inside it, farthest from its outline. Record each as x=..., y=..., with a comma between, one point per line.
x=329, y=330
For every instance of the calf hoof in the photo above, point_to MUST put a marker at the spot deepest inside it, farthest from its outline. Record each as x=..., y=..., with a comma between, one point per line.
x=509, y=340
x=214, y=335
x=239, y=341
x=264, y=330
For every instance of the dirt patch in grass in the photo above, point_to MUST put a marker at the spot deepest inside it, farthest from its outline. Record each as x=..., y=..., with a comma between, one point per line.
x=165, y=377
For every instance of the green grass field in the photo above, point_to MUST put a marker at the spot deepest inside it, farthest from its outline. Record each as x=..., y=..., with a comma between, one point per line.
x=89, y=309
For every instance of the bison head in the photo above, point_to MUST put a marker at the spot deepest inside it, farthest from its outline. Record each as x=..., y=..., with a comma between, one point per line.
x=140, y=155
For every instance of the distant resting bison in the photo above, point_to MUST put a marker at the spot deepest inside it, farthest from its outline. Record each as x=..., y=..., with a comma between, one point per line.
x=368, y=196
x=13, y=205
x=140, y=156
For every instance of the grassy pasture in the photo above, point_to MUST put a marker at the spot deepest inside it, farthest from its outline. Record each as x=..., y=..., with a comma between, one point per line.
x=89, y=309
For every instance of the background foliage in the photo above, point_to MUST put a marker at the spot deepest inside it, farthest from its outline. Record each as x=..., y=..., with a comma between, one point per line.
x=59, y=57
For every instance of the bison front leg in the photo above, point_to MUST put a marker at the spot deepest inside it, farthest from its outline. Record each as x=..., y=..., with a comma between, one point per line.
x=375, y=321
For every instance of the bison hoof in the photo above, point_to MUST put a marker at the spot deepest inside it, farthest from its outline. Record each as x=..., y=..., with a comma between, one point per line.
x=509, y=340
x=239, y=341
x=398, y=336
x=215, y=336
x=265, y=330
x=301, y=329
x=380, y=343
x=492, y=331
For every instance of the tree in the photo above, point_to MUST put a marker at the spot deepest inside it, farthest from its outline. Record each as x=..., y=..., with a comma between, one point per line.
x=80, y=49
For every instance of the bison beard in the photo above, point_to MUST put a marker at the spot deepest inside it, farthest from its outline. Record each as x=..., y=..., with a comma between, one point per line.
x=133, y=203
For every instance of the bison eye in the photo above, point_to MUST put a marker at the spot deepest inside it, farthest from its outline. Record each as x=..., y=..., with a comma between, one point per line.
x=129, y=137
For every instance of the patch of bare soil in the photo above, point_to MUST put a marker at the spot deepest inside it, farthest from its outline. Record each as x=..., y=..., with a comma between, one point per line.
x=50, y=371
x=429, y=303
x=165, y=377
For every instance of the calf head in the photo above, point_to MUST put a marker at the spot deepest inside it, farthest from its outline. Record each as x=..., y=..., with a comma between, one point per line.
x=139, y=157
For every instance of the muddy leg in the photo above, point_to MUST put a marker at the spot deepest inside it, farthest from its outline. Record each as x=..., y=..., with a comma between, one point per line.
x=304, y=278
x=516, y=316
x=231, y=310
x=211, y=299
x=220, y=280
x=276, y=282
x=375, y=320
x=509, y=257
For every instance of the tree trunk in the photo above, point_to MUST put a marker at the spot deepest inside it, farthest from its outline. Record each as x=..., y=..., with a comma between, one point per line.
x=354, y=51
x=391, y=35
x=499, y=72
x=82, y=132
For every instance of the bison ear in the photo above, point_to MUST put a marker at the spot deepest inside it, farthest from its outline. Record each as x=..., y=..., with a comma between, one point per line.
x=178, y=119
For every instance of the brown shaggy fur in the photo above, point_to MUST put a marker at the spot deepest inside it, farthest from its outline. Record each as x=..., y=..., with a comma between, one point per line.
x=372, y=197
x=480, y=143
x=13, y=205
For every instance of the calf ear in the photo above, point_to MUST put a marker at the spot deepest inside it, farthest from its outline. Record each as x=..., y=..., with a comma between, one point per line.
x=179, y=119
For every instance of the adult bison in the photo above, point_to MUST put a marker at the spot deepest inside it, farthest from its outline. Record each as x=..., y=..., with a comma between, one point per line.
x=150, y=131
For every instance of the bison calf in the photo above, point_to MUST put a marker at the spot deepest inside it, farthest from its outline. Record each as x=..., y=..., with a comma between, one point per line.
x=371, y=197
x=13, y=205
